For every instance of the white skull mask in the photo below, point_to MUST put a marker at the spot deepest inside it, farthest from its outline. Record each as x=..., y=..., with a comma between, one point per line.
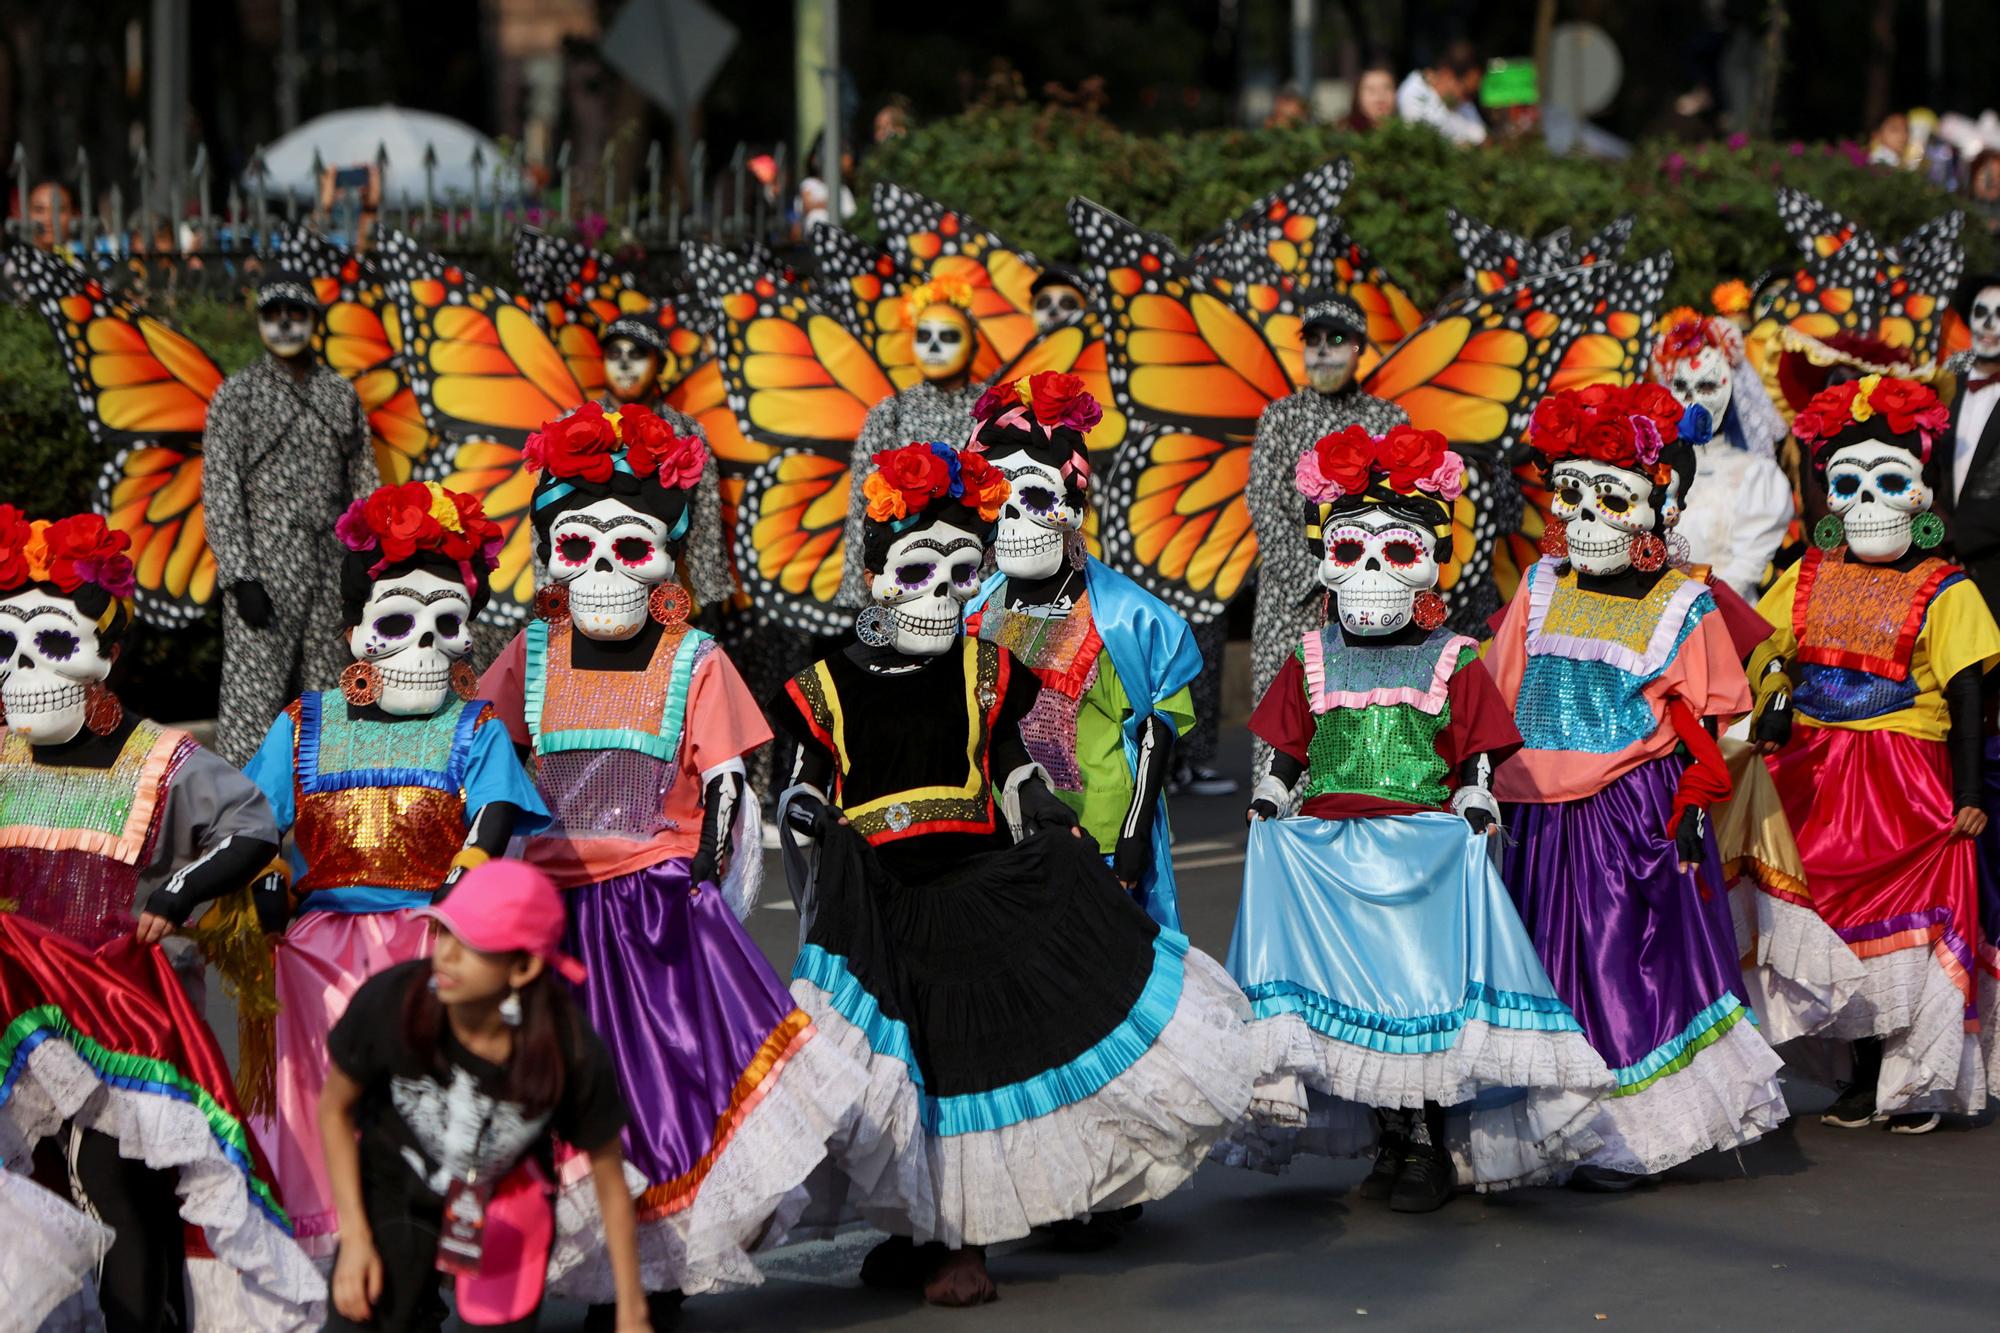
x=1329, y=356
x=1375, y=565
x=1056, y=306
x=414, y=627
x=610, y=557
x=1603, y=508
x=285, y=327
x=631, y=369
x=1876, y=490
x=1706, y=379
x=52, y=660
x=928, y=575
x=1986, y=324
x=1036, y=520
x=942, y=342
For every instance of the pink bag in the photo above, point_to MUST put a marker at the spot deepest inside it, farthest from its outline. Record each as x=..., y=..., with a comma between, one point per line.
x=520, y=1228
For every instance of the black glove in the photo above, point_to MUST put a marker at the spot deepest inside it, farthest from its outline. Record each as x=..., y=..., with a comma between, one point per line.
x=1133, y=857
x=1042, y=809
x=270, y=896
x=253, y=604
x=1261, y=809
x=1775, y=725
x=813, y=817
x=718, y=819
x=1478, y=820
x=1691, y=838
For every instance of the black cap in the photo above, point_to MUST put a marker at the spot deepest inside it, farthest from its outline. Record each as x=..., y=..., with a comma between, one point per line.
x=1334, y=310
x=287, y=286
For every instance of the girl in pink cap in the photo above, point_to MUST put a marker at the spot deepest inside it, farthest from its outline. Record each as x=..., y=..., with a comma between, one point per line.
x=451, y=1079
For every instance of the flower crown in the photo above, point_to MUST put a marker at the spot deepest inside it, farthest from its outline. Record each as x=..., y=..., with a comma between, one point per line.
x=1047, y=399
x=398, y=523
x=1903, y=404
x=1406, y=462
x=908, y=480
x=1731, y=297
x=68, y=553
x=1626, y=426
x=590, y=444
x=1683, y=333
x=944, y=289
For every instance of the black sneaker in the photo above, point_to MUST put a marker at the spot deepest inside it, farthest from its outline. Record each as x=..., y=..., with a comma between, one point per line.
x=1853, y=1109
x=1915, y=1122
x=1201, y=780
x=1605, y=1180
x=1426, y=1183
x=1389, y=1153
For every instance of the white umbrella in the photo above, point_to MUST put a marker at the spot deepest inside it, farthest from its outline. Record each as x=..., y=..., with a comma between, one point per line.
x=353, y=138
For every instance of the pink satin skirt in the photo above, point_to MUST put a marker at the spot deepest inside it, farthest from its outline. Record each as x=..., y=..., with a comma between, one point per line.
x=322, y=960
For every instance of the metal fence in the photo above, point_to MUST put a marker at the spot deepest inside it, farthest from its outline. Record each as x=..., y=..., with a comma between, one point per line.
x=188, y=231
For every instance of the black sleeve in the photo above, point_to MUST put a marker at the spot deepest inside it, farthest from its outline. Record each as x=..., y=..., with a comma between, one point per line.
x=592, y=1112
x=1009, y=751
x=1966, y=740
x=364, y=1043
x=783, y=712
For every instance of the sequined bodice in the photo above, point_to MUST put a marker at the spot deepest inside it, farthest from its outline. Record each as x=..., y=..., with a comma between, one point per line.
x=1065, y=654
x=1857, y=626
x=1377, y=714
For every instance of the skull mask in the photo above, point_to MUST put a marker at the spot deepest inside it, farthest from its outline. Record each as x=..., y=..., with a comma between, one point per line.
x=1603, y=508
x=52, y=658
x=610, y=556
x=1876, y=490
x=1704, y=378
x=286, y=328
x=1057, y=305
x=927, y=577
x=631, y=369
x=1330, y=354
x=1036, y=520
x=1985, y=323
x=414, y=627
x=942, y=342
x=1375, y=564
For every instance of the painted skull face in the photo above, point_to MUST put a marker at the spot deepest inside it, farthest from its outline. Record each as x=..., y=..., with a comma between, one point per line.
x=1056, y=306
x=928, y=575
x=1375, y=565
x=51, y=660
x=1330, y=355
x=610, y=557
x=1036, y=520
x=1876, y=490
x=1603, y=508
x=286, y=328
x=631, y=369
x=414, y=627
x=942, y=341
x=1705, y=378
x=1986, y=324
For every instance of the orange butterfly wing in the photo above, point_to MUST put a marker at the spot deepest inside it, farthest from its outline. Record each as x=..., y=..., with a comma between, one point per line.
x=144, y=390
x=927, y=239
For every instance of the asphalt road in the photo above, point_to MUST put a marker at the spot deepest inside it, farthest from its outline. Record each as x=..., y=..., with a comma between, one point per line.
x=1812, y=1228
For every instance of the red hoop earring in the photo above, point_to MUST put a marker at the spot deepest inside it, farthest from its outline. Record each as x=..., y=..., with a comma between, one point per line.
x=1648, y=552
x=361, y=683
x=1428, y=610
x=670, y=604
x=102, y=710
x=552, y=603
x=1555, y=539
x=464, y=680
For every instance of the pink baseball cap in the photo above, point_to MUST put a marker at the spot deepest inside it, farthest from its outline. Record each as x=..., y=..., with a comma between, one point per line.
x=507, y=907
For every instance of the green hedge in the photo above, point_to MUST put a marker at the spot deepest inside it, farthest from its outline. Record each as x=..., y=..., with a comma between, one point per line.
x=1712, y=205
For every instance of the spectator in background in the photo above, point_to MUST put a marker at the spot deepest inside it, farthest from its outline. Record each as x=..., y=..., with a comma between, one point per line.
x=1288, y=110
x=1889, y=146
x=1982, y=189
x=1442, y=96
x=1374, y=97
x=812, y=204
x=893, y=120
x=50, y=215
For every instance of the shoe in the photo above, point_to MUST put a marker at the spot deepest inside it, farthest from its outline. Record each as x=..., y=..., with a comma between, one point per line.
x=1853, y=1109
x=1915, y=1122
x=1604, y=1180
x=1426, y=1183
x=1200, y=780
x=1390, y=1150
x=899, y=1263
x=1085, y=1235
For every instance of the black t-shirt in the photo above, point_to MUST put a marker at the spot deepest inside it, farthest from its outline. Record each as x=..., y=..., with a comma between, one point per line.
x=420, y=1129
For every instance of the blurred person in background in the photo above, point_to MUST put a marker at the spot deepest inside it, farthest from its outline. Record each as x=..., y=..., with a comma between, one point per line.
x=50, y=214
x=1289, y=110
x=1374, y=96
x=892, y=121
x=1443, y=95
x=1889, y=146
x=1982, y=189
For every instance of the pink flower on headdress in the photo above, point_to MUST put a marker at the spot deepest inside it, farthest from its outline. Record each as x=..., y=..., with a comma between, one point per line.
x=1448, y=481
x=1314, y=484
x=1646, y=440
x=352, y=527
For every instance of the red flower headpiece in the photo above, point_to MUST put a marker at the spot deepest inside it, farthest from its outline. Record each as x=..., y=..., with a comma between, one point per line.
x=1047, y=399
x=67, y=553
x=1624, y=425
x=1407, y=461
x=908, y=480
x=1905, y=407
x=398, y=522
x=590, y=444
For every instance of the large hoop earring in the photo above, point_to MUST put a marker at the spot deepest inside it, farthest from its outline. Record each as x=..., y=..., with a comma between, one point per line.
x=1926, y=530
x=1428, y=610
x=1555, y=539
x=1076, y=550
x=552, y=603
x=102, y=710
x=361, y=683
x=1648, y=552
x=875, y=627
x=670, y=604
x=1829, y=532
x=464, y=680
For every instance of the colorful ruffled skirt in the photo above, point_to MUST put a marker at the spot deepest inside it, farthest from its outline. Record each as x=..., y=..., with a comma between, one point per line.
x=321, y=961
x=733, y=1092
x=1038, y=1048
x=109, y=1041
x=1873, y=812
x=1645, y=957
x=1386, y=967
x=1798, y=975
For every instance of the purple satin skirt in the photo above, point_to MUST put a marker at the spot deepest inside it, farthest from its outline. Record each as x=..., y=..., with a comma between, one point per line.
x=1637, y=949
x=695, y=1019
